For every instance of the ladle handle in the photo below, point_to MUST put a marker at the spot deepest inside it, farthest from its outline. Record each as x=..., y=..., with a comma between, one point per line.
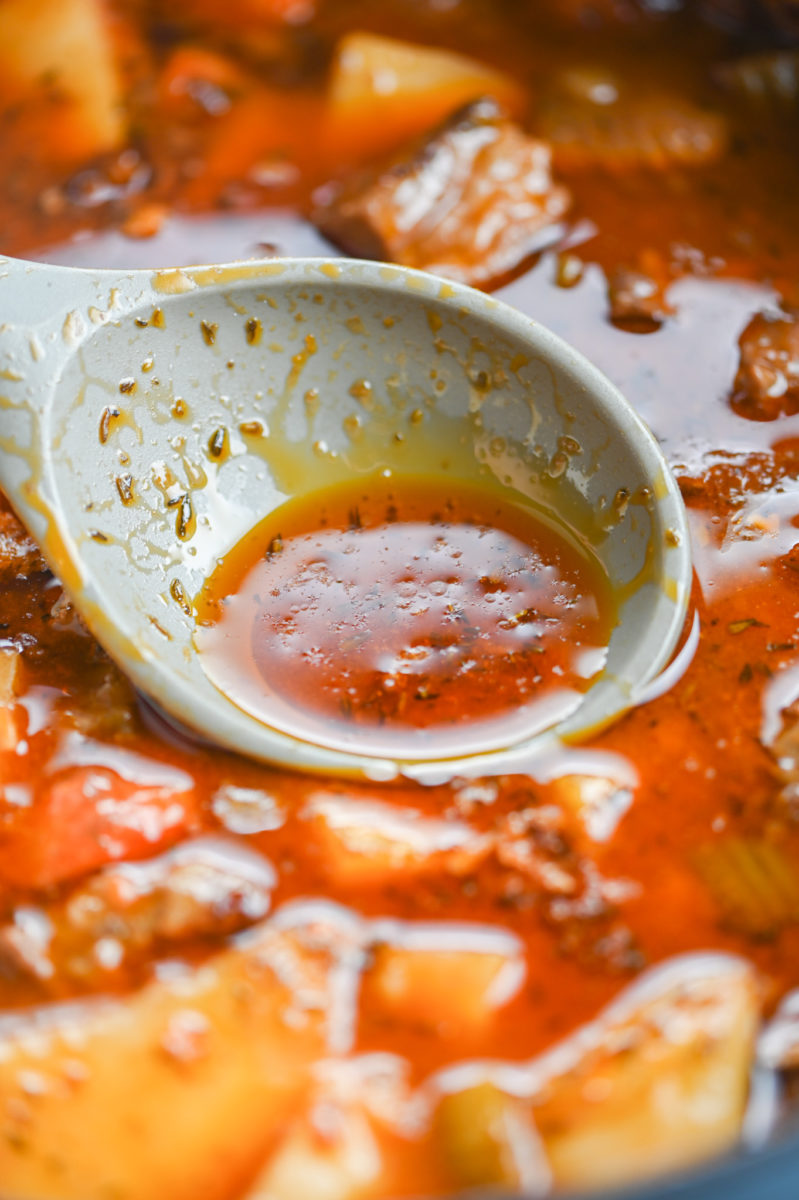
x=46, y=313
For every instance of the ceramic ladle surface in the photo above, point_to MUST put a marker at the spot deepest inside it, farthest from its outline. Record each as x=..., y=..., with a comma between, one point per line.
x=149, y=419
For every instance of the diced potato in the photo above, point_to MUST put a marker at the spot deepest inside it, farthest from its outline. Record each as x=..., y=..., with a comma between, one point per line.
x=10, y=671
x=448, y=978
x=10, y=682
x=366, y=841
x=489, y=1140
x=778, y=1044
x=171, y=1093
x=57, y=63
x=383, y=92
x=338, y=1162
x=658, y=1082
x=597, y=801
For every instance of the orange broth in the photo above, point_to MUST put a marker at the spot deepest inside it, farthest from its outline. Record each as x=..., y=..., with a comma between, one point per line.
x=698, y=765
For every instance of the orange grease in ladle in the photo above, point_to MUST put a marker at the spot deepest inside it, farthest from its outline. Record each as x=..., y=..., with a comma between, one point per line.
x=406, y=613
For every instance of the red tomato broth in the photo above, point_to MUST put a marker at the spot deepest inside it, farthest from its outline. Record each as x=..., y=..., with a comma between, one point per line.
x=704, y=768
x=406, y=612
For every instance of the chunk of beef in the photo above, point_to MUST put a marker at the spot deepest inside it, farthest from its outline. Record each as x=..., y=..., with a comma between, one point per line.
x=10, y=688
x=19, y=554
x=767, y=383
x=473, y=203
x=636, y=301
x=205, y=888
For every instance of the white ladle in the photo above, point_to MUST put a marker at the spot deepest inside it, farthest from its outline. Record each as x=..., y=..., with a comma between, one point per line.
x=148, y=419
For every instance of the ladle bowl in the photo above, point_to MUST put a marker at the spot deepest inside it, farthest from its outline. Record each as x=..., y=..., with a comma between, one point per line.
x=149, y=419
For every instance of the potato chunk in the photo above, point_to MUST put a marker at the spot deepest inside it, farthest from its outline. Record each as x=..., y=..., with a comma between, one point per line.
x=336, y=1162
x=10, y=686
x=58, y=70
x=452, y=978
x=490, y=1141
x=368, y=841
x=658, y=1082
x=174, y=1092
x=754, y=883
x=382, y=92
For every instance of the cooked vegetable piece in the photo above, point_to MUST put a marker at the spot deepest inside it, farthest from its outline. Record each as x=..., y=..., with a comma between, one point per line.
x=599, y=802
x=766, y=385
x=366, y=841
x=10, y=682
x=754, y=882
x=337, y=1158
x=246, y=810
x=658, y=1082
x=472, y=203
x=90, y=815
x=382, y=92
x=448, y=978
x=778, y=1043
x=59, y=77
x=172, y=1092
x=489, y=1140
x=592, y=117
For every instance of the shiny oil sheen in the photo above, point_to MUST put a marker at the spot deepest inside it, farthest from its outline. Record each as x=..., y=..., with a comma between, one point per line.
x=401, y=610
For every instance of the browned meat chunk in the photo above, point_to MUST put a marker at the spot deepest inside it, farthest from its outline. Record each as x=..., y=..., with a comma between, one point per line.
x=19, y=554
x=636, y=301
x=472, y=204
x=205, y=888
x=767, y=383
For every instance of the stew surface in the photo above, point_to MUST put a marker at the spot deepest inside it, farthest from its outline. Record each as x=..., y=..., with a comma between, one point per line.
x=225, y=980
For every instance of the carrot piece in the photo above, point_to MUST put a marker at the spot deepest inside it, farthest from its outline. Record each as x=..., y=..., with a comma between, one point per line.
x=88, y=816
x=264, y=130
x=190, y=67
